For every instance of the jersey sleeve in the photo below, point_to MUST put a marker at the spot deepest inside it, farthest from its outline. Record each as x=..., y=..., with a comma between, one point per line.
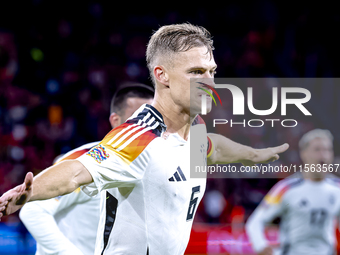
x=118, y=160
x=271, y=207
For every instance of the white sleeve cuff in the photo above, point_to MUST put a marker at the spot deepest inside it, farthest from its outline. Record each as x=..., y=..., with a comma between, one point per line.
x=95, y=187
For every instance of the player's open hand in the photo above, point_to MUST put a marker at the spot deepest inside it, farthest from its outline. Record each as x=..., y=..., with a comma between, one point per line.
x=267, y=155
x=15, y=198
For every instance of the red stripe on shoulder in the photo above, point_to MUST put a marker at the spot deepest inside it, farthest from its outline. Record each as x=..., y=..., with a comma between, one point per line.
x=116, y=131
x=276, y=193
x=74, y=155
x=135, y=148
x=129, y=140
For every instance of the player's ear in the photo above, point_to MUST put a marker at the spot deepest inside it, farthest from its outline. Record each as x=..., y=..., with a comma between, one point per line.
x=114, y=120
x=161, y=75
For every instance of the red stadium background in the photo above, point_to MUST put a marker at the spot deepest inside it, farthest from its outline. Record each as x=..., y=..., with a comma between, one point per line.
x=61, y=62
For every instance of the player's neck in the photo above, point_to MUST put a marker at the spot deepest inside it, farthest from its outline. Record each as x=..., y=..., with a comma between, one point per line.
x=317, y=179
x=176, y=120
x=314, y=179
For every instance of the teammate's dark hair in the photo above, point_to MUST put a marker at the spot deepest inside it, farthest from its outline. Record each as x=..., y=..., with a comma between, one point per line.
x=126, y=91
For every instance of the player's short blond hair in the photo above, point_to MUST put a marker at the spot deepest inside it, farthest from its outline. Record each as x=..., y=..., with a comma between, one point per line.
x=171, y=39
x=311, y=135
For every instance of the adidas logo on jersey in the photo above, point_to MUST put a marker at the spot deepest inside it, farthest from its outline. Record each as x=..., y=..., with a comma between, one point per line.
x=177, y=176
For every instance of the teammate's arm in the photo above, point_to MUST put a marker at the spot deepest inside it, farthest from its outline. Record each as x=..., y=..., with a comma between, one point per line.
x=255, y=229
x=271, y=207
x=228, y=151
x=54, y=181
x=38, y=217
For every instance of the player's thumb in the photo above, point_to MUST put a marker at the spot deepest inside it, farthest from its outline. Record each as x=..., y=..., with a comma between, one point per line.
x=275, y=157
x=28, y=180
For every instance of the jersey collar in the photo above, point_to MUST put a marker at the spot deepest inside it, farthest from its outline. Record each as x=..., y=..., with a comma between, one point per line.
x=157, y=115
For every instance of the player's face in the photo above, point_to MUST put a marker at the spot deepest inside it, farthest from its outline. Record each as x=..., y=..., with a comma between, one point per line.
x=196, y=63
x=132, y=105
x=318, y=151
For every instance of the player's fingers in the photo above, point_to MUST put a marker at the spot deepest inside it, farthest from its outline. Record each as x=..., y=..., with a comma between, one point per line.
x=22, y=188
x=281, y=148
x=4, y=199
x=17, y=189
x=3, y=203
x=272, y=159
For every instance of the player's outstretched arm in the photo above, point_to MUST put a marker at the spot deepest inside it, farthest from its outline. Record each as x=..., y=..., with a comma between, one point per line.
x=13, y=199
x=228, y=151
x=54, y=181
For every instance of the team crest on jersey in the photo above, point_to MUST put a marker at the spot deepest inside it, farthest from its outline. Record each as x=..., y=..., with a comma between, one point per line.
x=98, y=153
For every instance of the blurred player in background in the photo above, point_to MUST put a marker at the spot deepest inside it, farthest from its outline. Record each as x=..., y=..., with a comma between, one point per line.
x=308, y=205
x=65, y=225
x=148, y=157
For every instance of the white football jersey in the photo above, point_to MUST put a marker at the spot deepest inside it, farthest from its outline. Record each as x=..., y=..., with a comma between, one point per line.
x=67, y=224
x=308, y=212
x=150, y=199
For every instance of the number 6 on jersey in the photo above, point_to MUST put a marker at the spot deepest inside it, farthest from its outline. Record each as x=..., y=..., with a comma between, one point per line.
x=193, y=203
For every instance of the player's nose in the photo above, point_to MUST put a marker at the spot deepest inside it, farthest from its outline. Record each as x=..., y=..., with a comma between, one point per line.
x=207, y=82
x=211, y=83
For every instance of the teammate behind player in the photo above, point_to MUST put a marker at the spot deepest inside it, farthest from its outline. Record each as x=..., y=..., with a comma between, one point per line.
x=308, y=205
x=147, y=158
x=67, y=224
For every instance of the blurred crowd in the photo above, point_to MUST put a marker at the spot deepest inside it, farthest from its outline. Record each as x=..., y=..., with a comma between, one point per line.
x=60, y=63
